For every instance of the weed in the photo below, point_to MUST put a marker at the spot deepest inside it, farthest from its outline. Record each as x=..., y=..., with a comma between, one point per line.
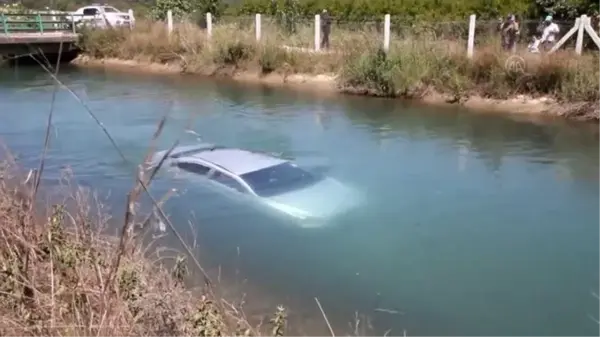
x=53, y=279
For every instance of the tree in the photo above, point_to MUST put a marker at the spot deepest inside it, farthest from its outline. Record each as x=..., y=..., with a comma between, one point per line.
x=186, y=8
x=564, y=10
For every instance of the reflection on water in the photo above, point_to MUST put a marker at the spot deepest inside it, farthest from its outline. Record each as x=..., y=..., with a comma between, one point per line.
x=476, y=224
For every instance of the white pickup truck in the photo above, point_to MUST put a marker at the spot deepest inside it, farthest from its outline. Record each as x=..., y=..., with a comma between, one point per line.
x=102, y=16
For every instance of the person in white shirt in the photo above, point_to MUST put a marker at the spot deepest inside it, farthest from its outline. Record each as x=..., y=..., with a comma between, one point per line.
x=550, y=30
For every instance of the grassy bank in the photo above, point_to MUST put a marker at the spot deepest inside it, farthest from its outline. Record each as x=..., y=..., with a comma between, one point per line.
x=59, y=276
x=413, y=68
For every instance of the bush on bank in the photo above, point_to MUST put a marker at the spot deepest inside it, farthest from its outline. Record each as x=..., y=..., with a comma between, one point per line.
x=411, y=68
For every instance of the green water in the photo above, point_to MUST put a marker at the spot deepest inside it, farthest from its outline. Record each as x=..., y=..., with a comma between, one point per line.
x=474, y=224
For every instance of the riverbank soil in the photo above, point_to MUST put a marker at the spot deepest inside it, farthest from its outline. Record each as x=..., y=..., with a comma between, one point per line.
x=328, y=84
x=435, y=71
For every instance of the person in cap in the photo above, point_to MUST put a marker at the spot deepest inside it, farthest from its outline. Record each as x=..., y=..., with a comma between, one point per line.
x=548, y=30
x=549, y=33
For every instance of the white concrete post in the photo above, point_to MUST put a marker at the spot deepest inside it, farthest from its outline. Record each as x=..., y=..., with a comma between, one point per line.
x=386, y=33
x=565, y=37
x=257, y=27
x=130, y=13
x=471, y=40
x=317, y=32
x=169, y=22
x=208, y=25
x=580, y=30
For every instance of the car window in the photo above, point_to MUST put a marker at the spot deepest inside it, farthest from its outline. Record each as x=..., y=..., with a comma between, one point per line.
x=279, y=179
x=90, y=11
x=111, y=10
x=193, y=168
x=228, y=181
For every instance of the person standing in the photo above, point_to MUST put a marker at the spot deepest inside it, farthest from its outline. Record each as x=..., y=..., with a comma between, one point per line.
x=325, y=29
x=548, y=30
x=510, y=33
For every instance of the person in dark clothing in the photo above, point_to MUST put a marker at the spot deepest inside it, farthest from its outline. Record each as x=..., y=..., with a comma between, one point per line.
x=325, y=29
x=509, y=30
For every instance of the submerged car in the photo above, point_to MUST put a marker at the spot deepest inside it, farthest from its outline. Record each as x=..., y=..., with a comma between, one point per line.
x=276, y=183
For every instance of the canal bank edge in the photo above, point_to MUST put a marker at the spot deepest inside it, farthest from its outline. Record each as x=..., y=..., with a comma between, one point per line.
x=328, y=84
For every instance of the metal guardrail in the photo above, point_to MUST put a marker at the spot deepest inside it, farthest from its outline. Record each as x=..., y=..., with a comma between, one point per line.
x=11, y=23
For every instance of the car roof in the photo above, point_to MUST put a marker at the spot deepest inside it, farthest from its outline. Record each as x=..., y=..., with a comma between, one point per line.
x=236, y=161
x=189, y=150
x=97, y=6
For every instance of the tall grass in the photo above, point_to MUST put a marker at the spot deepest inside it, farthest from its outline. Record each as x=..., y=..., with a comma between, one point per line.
x=231, y=46
x=413, y=66
x=417, y=66
x=59, y=275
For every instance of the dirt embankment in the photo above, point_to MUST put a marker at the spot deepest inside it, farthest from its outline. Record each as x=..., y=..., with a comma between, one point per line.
x=327, y=83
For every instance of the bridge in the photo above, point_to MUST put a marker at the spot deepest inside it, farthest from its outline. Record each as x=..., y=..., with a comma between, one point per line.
x=42, y=35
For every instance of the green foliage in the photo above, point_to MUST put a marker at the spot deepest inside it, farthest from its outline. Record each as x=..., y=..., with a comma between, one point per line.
x=404, y=10
x=207, y=320
x=406, y=72
x=286, y=14
x=104, y=43
x=179, y=8
x=140, y=7
x=564, y=9
x=410, y=11
x=233, y=54
x=373, y=72
x=180, y=270
x=279, y=321
x=271, y=58
x=13, y=8
x=187, y=8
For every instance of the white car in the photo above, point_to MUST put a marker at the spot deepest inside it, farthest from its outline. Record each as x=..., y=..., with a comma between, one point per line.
x=264, y=180
x=102, y=16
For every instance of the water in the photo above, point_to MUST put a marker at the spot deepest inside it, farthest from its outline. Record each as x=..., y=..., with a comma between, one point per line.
x=476, y=224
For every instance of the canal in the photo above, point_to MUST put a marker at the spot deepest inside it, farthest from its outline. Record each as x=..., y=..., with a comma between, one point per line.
x=474, y=224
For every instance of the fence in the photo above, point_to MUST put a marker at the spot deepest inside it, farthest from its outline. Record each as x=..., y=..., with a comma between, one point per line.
x=470, y=32
x=40, y=22
x=386, y=29
x=49, y=21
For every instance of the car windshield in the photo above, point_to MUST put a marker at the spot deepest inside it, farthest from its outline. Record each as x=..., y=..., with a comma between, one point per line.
x=110, y=10
x=279, y=179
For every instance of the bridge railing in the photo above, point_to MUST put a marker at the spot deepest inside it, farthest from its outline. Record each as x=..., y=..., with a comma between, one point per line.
x=41, y=22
